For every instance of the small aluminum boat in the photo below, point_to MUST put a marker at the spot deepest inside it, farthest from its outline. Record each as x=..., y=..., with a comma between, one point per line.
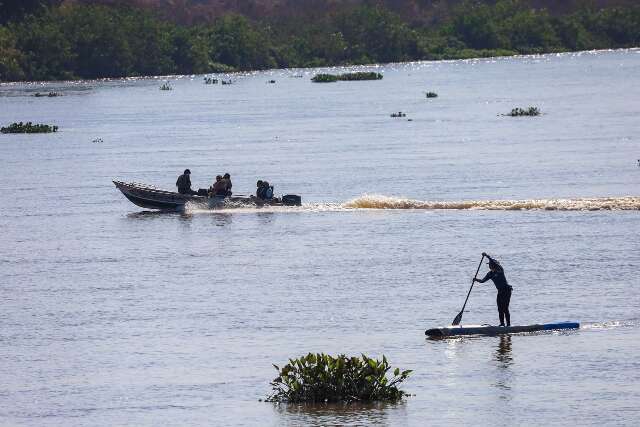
x=150, y=197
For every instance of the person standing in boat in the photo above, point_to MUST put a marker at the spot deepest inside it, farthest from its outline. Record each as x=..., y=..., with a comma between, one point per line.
x=184, y=183
x=496, y=274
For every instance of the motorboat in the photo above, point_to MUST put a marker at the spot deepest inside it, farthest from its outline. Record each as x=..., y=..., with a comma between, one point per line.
x=150, y=197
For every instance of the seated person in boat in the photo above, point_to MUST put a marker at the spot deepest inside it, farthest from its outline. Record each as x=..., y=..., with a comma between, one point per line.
x=184, y=183
x=219, y=188
x=227, y=178
x=258, y=188
x=496, y=274
x=264, y=190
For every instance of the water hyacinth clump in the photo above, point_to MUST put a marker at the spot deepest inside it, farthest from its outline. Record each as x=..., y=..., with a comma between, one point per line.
x=28, y=128
x=324, y=78
x=431, y=95
x=48, y=95
x=519, y=112
x=320, y=378
x=166, y=86
x=361, y=75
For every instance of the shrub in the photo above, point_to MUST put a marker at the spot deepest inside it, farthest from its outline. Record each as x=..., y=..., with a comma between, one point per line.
x=28, y=128
x=518, y=112
x=316, y=378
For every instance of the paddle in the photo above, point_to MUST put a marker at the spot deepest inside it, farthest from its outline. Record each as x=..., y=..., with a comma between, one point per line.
x=458, y=318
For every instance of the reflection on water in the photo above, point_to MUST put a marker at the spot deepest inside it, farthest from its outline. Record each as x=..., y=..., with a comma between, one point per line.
x=340, y=413
x=503, y=352
x=222, y=219
x=143, y=215
x=265, y=217
x=504, y=358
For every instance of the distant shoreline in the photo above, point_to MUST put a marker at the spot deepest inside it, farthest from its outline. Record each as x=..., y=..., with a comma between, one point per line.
x=79, y=41
x=313, y=69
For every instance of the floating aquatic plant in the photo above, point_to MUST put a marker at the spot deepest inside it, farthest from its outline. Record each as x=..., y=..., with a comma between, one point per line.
x=431, y=95
x=361, y=75
x=28, y=128
x=316, y=378
x=398, y=114
x=324, y=78
x=210, y=81
x=49, y=95
x=166, y=86
x=519, y=112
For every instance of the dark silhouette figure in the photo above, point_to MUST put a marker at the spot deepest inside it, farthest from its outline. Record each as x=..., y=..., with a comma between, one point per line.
x=496, y=274
x=184, y=183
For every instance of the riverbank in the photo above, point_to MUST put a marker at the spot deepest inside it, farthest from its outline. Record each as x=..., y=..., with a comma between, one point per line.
x=92, y=41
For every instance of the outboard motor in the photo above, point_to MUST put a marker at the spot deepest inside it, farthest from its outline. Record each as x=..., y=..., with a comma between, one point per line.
x=291, y=200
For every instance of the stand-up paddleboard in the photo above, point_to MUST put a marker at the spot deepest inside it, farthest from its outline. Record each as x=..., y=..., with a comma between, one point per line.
x=452, y=331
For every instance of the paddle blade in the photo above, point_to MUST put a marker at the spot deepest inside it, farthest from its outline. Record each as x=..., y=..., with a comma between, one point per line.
x=458, y=318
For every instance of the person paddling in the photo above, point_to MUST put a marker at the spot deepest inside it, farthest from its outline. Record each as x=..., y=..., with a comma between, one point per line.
x=496, y=274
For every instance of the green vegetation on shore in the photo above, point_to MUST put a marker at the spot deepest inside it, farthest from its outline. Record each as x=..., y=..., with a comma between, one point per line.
x=28, y=128
x=320, y=378
x=49, y=41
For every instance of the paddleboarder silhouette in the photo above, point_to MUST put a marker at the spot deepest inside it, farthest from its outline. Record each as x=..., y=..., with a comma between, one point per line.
x=496, y=274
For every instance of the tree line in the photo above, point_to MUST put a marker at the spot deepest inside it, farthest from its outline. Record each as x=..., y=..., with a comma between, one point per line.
x=52, y=41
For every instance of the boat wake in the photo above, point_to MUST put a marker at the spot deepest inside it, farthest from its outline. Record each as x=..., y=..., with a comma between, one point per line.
x=380, y=202
x=579, y=204
x=612, y=324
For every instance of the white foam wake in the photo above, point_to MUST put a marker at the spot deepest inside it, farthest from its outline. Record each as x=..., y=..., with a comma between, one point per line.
x=580, y=204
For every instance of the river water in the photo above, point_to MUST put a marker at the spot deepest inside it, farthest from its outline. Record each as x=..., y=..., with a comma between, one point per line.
x=115, y=316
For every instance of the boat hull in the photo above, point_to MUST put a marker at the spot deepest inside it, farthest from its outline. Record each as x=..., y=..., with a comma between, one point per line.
x=152, y=198
x=453, y=331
